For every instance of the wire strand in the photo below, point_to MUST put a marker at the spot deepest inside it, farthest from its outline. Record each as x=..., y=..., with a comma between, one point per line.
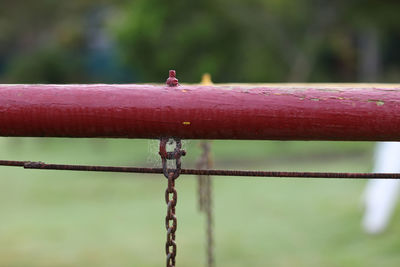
x=280, y=174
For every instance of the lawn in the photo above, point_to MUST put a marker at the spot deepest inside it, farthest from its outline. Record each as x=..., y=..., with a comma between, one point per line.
x=60, y=218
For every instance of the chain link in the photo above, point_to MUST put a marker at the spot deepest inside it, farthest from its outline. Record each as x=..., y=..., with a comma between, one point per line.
x=205, y=200
x=171, y=195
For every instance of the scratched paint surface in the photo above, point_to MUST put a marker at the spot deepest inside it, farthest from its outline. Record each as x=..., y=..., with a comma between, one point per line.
x=290, y=112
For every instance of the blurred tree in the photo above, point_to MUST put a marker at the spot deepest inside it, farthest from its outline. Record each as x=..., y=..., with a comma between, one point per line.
x=49, y=41
x=45, y=66
x=191, y=36
x=235, y=40
x=248, y=41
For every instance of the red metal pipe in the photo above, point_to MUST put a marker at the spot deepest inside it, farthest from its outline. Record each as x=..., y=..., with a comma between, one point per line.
x=280, y=112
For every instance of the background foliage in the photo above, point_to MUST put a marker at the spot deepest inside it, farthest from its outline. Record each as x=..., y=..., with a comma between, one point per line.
x=235, y=41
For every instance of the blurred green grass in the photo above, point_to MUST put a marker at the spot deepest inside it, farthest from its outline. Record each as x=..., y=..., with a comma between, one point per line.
x=60, y=218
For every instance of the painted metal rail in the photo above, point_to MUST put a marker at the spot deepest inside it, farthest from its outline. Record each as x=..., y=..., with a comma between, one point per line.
x=267, y=111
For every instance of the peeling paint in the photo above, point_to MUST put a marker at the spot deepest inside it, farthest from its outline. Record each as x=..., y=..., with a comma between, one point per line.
x=378, y=102
x=333, y=90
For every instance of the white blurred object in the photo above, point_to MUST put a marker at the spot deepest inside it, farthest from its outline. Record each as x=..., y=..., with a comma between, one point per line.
x=381, y=195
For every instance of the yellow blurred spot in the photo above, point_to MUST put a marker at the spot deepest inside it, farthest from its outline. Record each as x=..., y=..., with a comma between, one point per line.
x=186, y=123
x=184, y=91
x=206, y=79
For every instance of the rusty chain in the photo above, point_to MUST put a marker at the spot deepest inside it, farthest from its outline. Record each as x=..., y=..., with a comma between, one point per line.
x=205, y=200
x=171, y=195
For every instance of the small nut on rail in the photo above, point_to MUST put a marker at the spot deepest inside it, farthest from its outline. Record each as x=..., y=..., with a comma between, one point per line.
x=172, y=80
